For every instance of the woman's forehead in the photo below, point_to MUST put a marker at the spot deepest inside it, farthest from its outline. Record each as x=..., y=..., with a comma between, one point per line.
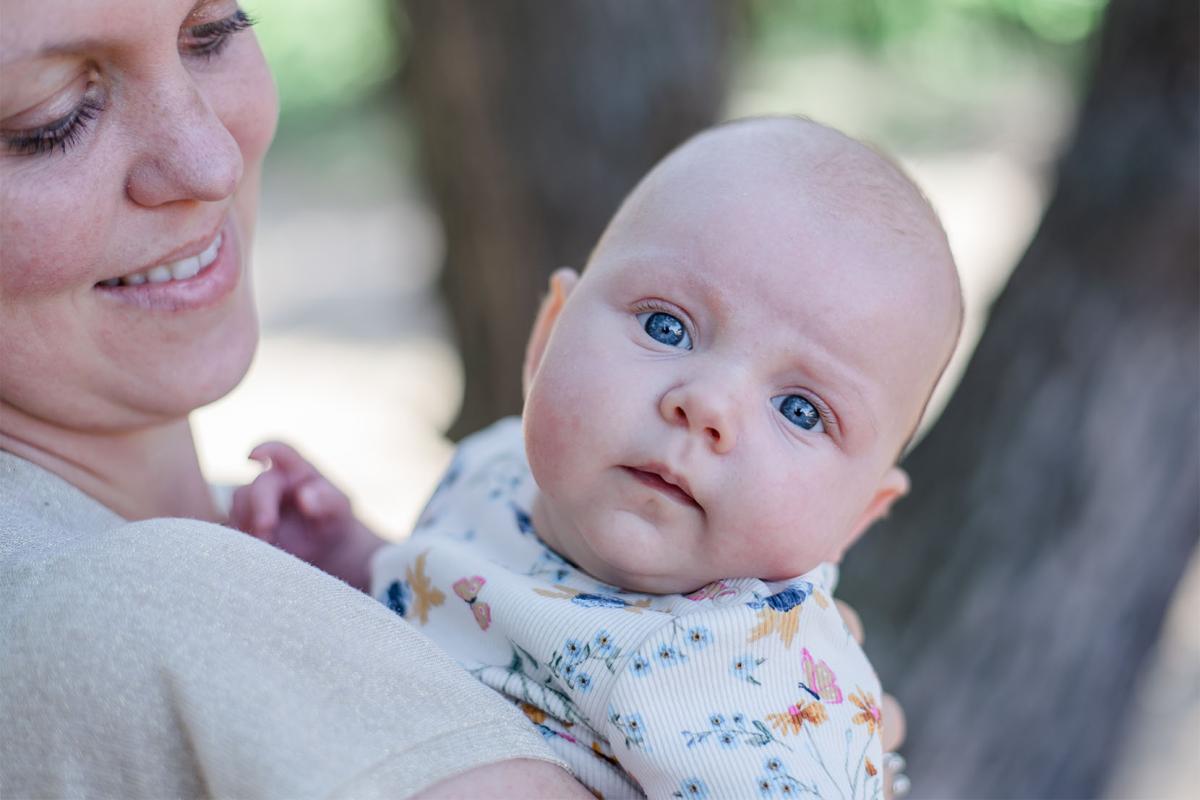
x=36, y=29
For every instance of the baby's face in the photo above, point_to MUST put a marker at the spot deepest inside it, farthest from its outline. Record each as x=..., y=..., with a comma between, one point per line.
x=726, y=388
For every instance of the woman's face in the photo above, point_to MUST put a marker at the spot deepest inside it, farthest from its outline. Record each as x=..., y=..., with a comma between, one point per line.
x=132, y=134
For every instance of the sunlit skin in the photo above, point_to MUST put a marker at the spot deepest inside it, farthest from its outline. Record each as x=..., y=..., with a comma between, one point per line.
x=178, y=109
x=799, y=263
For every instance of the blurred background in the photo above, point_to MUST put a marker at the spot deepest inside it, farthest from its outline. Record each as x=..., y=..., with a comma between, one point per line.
x=1036, y=603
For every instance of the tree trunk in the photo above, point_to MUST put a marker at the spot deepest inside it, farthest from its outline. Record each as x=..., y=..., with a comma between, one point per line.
x=1013, y=599
x=536, y=119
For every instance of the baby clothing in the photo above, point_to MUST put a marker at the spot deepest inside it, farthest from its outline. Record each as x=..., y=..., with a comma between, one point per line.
x=743, y=688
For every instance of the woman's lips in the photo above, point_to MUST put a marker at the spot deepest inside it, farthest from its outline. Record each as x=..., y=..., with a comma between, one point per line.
x=652, y=478
x=207, y=287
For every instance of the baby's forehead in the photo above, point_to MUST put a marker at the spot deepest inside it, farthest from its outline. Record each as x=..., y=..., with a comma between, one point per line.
x=835, y=173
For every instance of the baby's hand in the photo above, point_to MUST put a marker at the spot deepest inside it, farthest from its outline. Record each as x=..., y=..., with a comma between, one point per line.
x=294, y=507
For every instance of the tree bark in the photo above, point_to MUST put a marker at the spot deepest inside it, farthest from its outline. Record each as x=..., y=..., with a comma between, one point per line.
x=536, y=118
x=1013, y=599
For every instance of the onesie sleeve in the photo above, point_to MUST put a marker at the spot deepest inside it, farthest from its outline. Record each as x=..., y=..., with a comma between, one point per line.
x=769, y=698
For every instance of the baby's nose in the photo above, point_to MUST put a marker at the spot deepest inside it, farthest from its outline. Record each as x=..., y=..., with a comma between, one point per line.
x=704, y=411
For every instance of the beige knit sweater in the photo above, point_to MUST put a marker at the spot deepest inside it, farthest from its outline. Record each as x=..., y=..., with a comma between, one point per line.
x=175, y=658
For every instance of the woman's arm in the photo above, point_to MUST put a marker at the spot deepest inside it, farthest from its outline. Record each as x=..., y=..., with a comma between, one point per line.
x=523, y=778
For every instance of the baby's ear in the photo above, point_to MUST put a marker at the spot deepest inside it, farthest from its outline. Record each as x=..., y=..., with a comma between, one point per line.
x=561, y=283
x=892, y=487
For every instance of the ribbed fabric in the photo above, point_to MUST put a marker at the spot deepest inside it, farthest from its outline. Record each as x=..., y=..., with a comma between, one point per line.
x=696, y=696
x=173, y=658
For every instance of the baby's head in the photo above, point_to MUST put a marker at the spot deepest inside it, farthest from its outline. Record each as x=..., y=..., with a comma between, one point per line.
x=726, y=390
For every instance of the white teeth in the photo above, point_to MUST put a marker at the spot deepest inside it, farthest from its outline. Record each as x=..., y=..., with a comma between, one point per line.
x=179, y=270
x=210, y=253
x=185, y=268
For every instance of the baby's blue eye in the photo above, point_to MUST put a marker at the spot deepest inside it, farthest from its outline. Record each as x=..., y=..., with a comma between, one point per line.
x=799, y=412
x=666, y=328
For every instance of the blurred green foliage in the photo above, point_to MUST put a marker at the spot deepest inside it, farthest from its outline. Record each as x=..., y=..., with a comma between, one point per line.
x=334, y=53
x=327, y=53
x=876, y=22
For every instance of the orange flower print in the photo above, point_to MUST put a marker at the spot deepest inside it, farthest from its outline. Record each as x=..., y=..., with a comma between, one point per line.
x=792, y=720
x=785, y=625
x=426, y=595
x=535, y=714
x=870, y=715
x=871, y=771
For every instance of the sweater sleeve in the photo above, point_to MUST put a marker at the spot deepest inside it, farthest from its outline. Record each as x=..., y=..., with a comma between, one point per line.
x=754, y=699
x=176, y=658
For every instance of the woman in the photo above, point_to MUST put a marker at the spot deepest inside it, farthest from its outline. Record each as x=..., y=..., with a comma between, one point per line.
x=147, y=651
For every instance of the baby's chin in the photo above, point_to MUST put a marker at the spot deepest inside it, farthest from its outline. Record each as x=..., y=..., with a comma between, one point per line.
x=659, y=583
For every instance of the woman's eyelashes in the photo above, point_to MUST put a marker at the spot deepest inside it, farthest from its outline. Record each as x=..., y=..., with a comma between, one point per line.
x=60, y=134
x=665, y=328
x=800, y=411
x=210, y=38
x=204, y=41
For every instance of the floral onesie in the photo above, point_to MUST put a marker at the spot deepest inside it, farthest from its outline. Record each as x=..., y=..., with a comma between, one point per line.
x=741, y=689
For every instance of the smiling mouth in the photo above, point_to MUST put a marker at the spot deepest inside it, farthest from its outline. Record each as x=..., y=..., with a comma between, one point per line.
x=179, y=270
x=663, y=482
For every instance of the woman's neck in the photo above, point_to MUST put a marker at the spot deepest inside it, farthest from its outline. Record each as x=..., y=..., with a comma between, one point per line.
x=139, y=474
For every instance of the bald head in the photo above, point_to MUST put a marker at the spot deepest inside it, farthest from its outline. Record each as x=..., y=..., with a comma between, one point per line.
x=888, y=246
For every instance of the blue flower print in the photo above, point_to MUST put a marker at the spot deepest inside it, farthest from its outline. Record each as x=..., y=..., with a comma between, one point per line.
x=598, y=601
x=639, y=665
x=583, y=682
x=743, y=668
x=398, y=596
x=572, y=650
x=668, y=656
x=631, y=725
x=524, y=523
x=757, y=734
x=777, y=782
x=788, y=787
x=699, y=637
x=602, y=644
x=691, y=789
x=795, y=594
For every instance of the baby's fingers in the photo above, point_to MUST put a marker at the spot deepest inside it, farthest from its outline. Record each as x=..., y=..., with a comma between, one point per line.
x=285, y=458
x=894, y=726
x=317, y=498
x=852, y=620
x=256, y=507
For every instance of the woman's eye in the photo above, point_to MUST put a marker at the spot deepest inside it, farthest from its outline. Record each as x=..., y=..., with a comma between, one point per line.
x=665, y=328
x=800, y=412
x=63, y=133
x=210, y=38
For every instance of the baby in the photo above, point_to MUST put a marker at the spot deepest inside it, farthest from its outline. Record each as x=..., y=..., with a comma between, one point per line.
x=713, y=414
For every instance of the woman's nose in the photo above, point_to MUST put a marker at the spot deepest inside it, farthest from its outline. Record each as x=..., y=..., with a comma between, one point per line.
x=185, y=153
x=705, y=410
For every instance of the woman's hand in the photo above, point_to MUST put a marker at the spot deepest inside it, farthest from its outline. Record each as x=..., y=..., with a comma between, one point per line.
x=294, y=507
x=895, y=782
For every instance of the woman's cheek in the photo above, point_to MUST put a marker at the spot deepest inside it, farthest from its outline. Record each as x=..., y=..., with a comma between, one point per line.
x=250, y=106
x=35, y=257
